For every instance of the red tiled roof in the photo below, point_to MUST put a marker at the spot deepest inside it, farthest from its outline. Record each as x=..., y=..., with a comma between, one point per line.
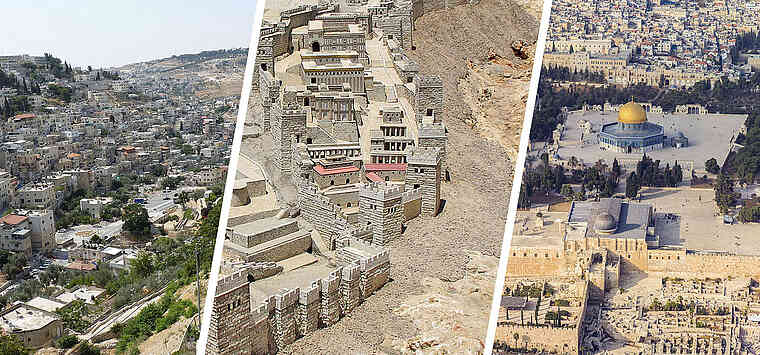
x=374, y=177
x=81, y=266
x=321, y=170
x=385, y=167
x=13, y=219
x=24, y=116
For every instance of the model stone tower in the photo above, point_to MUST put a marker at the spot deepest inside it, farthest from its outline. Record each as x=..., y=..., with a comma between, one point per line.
x=428, y=96
x=424, y=171
x=433, y=135
x=380, y=206
x=264, y=59
x=231, y=316
x=269, y=88
x=288, y=125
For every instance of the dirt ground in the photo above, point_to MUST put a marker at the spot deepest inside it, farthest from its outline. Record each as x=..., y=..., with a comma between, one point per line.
x=436, y=259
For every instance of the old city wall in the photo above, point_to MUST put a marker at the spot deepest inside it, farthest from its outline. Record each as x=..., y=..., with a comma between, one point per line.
x=294, y=313
x=705, y=264
x=558, y=340
x=231, y=314
x=530, y=261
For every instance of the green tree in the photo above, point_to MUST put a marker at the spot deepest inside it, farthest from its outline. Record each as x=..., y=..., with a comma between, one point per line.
x=10, y=345
x=88, y=349
x=136, y=220
x=66, y=342
x=724, y=193
x=632, y=186
x=711, y=165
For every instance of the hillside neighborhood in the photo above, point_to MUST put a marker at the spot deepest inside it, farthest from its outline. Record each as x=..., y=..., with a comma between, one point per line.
x=110, y=189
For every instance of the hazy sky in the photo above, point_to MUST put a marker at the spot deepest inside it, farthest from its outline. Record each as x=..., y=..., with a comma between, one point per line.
x=105, y=33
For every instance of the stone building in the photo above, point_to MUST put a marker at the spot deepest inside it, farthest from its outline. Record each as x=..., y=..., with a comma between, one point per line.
x=428, y=99
x=632, y=133
x=288, y=125
x=34, y=327
x=380, y=207
x=424, y=171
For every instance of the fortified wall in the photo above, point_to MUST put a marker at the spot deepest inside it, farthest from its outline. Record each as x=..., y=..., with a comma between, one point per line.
x=293, y=313
x=558, y=340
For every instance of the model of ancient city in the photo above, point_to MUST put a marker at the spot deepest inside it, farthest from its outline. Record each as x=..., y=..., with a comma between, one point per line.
x=636, y=230
x=358, y=147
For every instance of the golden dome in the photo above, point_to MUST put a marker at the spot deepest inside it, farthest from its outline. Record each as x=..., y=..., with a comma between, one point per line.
x=632, y=113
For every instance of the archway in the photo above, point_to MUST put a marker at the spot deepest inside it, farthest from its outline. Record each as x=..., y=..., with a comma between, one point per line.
x=264, y=66
x=315, y=47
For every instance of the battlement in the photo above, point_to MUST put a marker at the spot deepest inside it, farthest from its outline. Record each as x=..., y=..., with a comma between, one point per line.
x=311, y=294
x=423, y=155
x=380, y=191
x=231, y=282
x=375, y=260
x=305, y=8
x=332, y=281
x=360, y=231
x=411, y=195
x=292, y=110
x=286, y=298
x=351, y=272
x=432, y=130
x=260, y=313
x=266, y=41
x=421, y=81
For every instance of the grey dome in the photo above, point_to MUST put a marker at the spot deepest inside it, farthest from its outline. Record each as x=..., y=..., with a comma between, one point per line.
x=605, y=223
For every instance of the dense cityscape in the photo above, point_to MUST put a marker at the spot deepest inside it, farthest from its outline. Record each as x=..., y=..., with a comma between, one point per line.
x=657, y=42
x=111, y=182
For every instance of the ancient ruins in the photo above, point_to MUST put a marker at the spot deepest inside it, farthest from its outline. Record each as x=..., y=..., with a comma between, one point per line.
x=357, y=136
x=616, y=275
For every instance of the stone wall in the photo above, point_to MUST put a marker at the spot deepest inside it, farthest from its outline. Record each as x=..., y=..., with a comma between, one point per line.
x=285, y=317
x=424, y=171
x=428, y=98
x=288, y=124
x=269, y=89
x=412, y=201
x=249, y=240
x=231, y=315
x=398, y=25
x=705, y=264
x=549, y=339
x=293, y=313
x=286, y=247
x=321, y=212
x=380, y=207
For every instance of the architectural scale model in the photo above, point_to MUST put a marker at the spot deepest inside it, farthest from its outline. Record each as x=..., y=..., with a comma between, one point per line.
x=357, y=136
